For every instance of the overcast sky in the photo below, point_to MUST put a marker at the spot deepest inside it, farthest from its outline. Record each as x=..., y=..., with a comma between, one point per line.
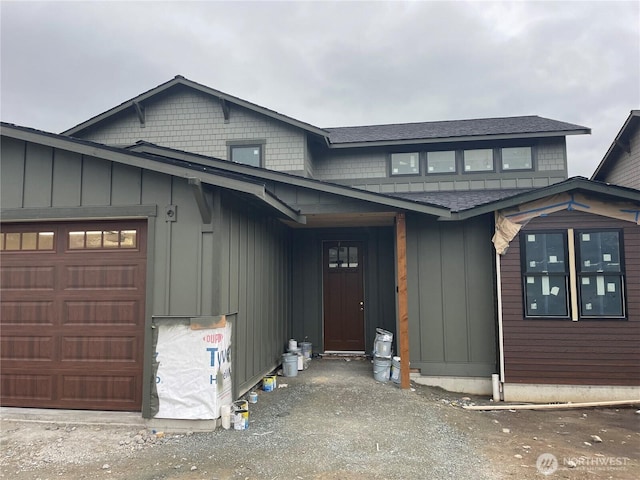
x=333, y=64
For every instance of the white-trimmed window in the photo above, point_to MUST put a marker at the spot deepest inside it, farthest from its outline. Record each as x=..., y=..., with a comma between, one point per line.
x=405, y=163
x=516, y=158
x=479, y=160
x=441, y=162
x=577, y=275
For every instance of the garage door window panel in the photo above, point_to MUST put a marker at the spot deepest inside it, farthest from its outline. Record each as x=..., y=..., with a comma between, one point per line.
x=26, y=241
x=103, y=239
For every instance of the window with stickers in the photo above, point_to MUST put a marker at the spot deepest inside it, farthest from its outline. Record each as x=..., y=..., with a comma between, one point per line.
x=573, y=274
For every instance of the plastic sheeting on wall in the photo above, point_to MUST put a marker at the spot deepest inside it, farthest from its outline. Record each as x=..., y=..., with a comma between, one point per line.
x=194, y=371
x=510, y=221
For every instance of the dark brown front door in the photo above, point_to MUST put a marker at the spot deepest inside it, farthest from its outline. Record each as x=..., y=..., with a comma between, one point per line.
x=343, y=296
x=72, y=314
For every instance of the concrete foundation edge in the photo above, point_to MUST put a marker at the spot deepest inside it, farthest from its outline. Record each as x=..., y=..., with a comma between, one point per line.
x=537, y=393
x=469, y=385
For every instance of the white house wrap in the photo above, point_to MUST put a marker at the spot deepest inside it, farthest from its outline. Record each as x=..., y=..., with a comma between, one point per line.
x=194, y=372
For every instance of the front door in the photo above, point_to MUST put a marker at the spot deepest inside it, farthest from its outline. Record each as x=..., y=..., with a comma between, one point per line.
x=343, y=296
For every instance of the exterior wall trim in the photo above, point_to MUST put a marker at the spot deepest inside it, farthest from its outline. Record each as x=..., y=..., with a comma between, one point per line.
x=85, y=213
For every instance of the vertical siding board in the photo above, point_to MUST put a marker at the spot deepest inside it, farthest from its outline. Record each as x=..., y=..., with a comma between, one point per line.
x=414, y=288
x=431, y=293
x=454, y=293
x=243, y=355
x=38, y=173
x=67, y=178
x=481, y=314
x=125, y=185
x=587, y=352
x=96, y=181
x=156, y=190
x=185, y=233
x=12, y=153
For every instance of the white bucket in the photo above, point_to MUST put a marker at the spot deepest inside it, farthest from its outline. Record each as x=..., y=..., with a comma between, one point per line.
x=290, y=365
x=382, y=344
x=395, y=369
x=225, y=413
x=381, y=368
x=292, y=345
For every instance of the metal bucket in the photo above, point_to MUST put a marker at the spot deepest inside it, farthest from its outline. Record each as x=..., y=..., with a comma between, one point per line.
x=306, y=349
x=381, y=368
x=290, y=364
x=382, y=344
x=395, y=369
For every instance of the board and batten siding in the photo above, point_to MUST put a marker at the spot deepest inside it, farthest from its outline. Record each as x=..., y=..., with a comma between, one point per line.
x=452, y=315
x=586, y=352
x=254, y=281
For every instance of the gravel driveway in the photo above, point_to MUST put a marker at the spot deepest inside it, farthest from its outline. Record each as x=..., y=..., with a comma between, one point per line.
x=333, y=421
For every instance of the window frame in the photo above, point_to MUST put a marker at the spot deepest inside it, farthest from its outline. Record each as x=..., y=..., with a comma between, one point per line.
x=259, y=144
x=409, y=174
x=531, y=159
x=455, y=163
x=473, y=172
x=620, y=274
x=524, y=273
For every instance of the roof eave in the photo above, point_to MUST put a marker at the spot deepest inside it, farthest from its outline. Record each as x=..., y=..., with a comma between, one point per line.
x=570, y=184
x=468, y=138
x=604, y=163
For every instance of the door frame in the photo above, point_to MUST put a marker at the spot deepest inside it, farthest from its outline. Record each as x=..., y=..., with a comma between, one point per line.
x=363, y=241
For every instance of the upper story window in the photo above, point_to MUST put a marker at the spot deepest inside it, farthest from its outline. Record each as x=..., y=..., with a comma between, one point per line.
x=405, y=163
x=517, y=158
x=480, y=160
x=246, y=154
x=441, y=162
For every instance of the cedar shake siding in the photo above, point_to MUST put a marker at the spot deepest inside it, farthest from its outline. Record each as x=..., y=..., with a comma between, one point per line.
x=560, y=351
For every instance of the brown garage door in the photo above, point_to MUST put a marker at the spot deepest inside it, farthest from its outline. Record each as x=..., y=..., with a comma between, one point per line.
x=72, y=314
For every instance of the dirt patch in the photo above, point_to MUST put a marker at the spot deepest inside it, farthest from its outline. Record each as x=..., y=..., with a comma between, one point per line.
x=335, y=422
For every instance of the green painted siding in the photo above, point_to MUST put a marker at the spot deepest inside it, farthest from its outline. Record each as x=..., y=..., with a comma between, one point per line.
x=452, y=314
x=255, y=281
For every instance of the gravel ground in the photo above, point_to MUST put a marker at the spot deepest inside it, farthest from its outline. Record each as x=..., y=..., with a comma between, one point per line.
x=333, y=421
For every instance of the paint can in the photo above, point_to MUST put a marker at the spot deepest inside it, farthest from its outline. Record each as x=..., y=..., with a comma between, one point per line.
x=240, y=405
x=292, y=344
x=225, y=413
x=382, y=344
x=241, y=420
x=381, y=368
x=395, y=369
x=253, y=397
x=306, y=349
x=290, y=365
x=298, y=353
x=269, y=383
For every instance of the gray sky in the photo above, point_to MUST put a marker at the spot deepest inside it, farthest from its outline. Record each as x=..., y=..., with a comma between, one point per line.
x=332, y=64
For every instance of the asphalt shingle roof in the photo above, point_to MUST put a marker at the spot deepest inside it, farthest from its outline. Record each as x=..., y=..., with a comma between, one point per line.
x=451, y=129
x=460, y=200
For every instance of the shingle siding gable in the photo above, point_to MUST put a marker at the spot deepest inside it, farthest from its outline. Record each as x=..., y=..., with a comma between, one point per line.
x=626, y=170
x=194, y=122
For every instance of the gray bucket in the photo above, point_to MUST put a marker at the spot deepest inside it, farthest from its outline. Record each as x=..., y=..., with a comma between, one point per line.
x=290, y=364
x=381, y=368
x=306, y=349
x=395, y=369
x=382, y=345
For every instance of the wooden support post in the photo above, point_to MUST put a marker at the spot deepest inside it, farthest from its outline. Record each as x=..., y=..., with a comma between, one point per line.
x=403, y=306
